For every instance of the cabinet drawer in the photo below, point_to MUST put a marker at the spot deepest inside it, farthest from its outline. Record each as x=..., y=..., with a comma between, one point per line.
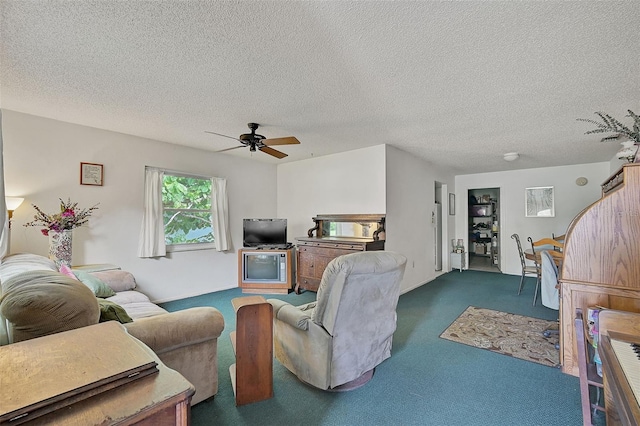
x=309, y=283
x=327, y=252
x=327, y=245
x=306, y=266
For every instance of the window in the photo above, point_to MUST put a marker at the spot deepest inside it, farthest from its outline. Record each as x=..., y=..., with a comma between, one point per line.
x=186, y=211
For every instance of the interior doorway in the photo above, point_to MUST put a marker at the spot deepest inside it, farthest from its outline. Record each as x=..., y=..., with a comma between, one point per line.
x=484, y=229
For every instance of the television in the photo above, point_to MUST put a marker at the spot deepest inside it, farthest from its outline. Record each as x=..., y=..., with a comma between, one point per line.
x=266, y=271
x=264, y=233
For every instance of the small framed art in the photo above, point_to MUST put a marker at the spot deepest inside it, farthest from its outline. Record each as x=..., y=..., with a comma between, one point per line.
x=91, y=174
x=539, y=202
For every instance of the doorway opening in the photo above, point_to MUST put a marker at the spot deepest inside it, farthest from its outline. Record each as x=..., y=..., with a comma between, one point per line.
x=484, y=229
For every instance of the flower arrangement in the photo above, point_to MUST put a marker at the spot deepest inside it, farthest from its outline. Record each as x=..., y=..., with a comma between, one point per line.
x=69, y=217
x=611, y=125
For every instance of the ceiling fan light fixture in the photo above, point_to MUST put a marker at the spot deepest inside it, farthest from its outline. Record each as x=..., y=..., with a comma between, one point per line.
x=511, y=156
x=257, y=142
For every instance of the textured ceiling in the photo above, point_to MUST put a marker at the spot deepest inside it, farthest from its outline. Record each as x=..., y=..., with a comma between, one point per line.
x=456, y=83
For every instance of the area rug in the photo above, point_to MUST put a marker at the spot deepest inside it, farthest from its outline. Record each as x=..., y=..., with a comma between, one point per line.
x=508, y=334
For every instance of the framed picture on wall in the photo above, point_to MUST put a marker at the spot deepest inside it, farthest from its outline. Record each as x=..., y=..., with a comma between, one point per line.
x=452, y=204
x=539, y=202
x=91, y=174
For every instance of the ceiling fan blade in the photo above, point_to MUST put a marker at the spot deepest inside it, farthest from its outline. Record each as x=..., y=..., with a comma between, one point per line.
x=230, y=137
x=229, y=149
x=289, y=140
x=272, y=152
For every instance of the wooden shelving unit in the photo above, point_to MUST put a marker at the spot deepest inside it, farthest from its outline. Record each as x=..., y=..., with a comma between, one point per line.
x=252, y=374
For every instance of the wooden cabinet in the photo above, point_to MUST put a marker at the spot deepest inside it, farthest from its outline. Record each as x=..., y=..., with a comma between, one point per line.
x=335, y=235
x=601, y=257
x=314, y=254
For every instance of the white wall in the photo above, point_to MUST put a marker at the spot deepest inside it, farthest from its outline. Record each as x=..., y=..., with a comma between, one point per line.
x=570, y=199
x=42, y=163
x=410, y=202
x=380, y=179
x=42, y=160
x=346, y=183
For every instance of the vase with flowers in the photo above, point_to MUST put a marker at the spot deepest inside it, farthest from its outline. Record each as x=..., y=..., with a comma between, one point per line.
x=59, y=226
x=629, y=136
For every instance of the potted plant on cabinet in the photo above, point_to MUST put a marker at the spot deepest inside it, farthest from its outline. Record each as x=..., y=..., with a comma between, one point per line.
x=608, y=124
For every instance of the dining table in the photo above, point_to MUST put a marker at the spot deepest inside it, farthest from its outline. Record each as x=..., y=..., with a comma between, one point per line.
x=535, y=257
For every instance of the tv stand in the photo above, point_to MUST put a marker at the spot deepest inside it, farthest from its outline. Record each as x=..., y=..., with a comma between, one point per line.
x=268, y=287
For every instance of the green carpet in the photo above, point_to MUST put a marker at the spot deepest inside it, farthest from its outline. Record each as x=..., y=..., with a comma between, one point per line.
x=427, y=380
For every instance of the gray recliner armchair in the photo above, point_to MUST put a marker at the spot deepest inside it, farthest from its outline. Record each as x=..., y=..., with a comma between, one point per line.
x=337, y=341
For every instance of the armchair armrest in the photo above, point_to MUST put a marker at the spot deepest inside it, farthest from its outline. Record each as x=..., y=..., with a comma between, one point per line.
x=290, y=314
x=173, y=330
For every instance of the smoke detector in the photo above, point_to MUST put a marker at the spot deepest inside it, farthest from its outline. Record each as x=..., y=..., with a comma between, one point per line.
x=511, y=156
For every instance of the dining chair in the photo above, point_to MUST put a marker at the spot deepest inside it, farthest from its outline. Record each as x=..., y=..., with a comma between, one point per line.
x=588, y=373
x=526, y=269
x=554, y=248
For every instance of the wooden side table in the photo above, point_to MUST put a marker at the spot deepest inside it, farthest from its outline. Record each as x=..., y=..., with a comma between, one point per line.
x=252, y=374
x=37, y=371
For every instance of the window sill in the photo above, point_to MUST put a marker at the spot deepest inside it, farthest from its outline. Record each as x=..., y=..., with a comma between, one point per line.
x=190, y=247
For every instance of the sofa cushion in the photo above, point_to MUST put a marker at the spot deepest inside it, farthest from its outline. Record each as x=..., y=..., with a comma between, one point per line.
x=136, y=304
x=38, y=303
x=116, y=279
x=110, y=311
x=95, y=284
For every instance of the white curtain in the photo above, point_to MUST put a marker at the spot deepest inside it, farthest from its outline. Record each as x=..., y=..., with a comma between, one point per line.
x=220, y=213
x=4, y=218
x=4, y=233
x=152, y=242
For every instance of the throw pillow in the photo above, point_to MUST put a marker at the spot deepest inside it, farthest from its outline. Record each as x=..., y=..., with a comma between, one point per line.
x=116, y=279
x=110, y=311
x=99, y=288
x=64, y=269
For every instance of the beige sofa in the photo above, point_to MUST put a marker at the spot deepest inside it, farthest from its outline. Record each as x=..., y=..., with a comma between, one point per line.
x=37, y=300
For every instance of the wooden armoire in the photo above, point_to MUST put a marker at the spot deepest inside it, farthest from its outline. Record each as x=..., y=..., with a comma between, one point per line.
x=602, y=257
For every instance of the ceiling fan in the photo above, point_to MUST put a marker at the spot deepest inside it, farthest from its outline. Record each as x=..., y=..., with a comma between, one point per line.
x=255, y=141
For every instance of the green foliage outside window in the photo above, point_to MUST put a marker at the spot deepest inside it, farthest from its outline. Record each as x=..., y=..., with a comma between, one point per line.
x=187, y=210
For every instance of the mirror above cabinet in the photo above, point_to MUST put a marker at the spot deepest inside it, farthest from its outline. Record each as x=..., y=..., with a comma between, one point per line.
x=367, y=226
